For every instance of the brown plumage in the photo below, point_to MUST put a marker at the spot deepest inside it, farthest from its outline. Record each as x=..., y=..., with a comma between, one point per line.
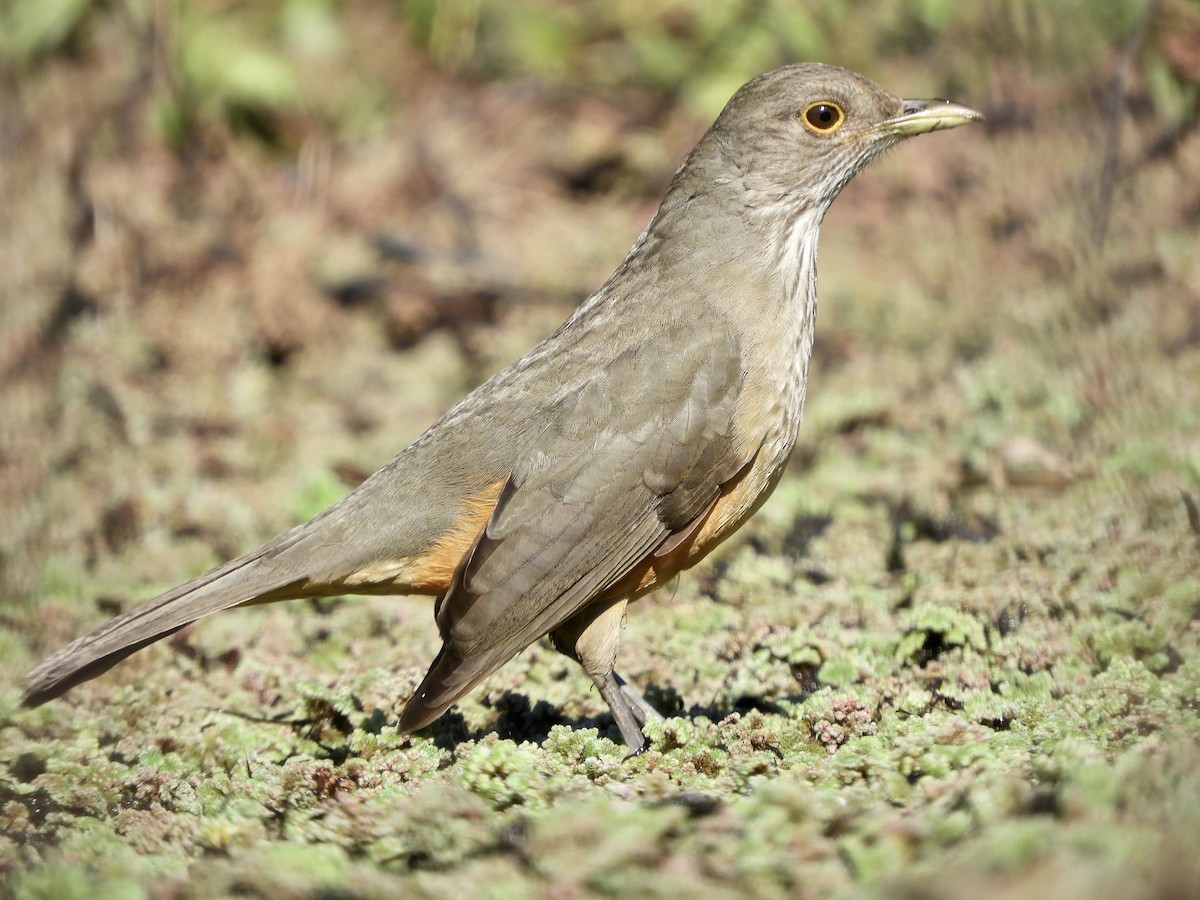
x=617, y=452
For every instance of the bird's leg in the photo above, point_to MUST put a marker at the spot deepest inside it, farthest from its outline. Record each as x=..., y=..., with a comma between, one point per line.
x=642, y=711
x=629, y=718
x=591, y=638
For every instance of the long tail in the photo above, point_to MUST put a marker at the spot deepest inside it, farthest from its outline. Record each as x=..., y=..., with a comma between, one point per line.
x=262, y=575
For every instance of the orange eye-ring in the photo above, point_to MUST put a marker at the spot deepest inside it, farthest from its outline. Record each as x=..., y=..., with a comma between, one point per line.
x=823, y=117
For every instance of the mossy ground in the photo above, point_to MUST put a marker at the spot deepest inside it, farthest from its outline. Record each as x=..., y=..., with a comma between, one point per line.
x=958, y=653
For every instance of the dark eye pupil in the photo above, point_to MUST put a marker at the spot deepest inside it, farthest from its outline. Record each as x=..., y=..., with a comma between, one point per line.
x=823, y=116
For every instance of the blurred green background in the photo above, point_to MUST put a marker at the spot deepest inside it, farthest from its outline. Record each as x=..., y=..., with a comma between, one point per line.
x=249, y=250
x=252, y=65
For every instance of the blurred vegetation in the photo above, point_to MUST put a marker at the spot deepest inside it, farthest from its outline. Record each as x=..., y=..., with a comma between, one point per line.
x=254, y=65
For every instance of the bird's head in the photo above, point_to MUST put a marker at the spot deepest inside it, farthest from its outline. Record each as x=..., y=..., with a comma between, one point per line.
x=797, y=134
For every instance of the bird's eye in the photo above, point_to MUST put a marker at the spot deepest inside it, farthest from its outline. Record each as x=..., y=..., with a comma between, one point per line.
x=823, y=117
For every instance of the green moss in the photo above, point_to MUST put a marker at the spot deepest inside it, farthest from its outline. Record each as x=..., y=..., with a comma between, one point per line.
x=66, y=881
x=948, y=627
x=501, y=772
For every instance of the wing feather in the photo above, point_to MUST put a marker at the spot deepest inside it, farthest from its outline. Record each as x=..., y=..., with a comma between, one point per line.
x=632, y=457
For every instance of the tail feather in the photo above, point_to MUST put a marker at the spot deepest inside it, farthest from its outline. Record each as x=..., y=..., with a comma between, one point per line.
x=256, y=577
x=450, y=678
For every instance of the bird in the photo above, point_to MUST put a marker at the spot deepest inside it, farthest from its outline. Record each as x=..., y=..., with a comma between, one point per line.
x=617, y=452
